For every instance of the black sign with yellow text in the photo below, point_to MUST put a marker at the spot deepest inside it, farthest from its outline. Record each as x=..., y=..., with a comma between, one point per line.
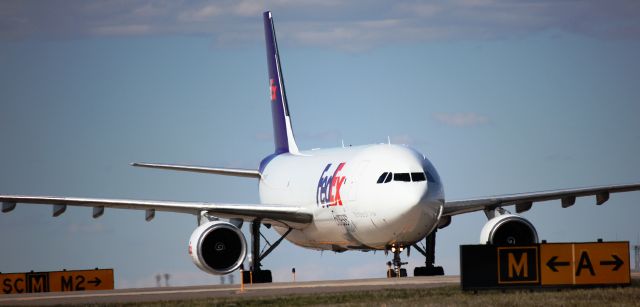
x=544, y=265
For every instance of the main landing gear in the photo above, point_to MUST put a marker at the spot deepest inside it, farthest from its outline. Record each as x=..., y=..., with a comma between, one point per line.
x=255, y=274
x=394, y=269
x=429, y=253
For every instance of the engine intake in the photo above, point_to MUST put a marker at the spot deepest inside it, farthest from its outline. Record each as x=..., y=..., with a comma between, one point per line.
x=508, y=229
x=217, y=247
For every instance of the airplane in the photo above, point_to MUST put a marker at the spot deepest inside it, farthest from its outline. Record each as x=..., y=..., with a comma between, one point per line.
x=375, y=197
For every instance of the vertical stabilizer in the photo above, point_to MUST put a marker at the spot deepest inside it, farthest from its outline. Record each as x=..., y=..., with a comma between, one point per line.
x=282, y=131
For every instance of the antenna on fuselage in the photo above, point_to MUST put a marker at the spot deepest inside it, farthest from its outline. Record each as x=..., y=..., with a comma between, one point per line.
x=342, y=143
x=388, y=140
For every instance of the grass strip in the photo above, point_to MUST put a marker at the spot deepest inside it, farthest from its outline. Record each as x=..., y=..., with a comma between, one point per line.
x=441, y=296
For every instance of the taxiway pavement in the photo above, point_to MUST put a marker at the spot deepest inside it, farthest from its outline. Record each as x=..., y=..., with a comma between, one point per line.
x=220, y=291
x=198, y=292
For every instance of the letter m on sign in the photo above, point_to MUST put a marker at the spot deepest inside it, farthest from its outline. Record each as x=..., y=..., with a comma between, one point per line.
x=518, y=265
x=37, y=282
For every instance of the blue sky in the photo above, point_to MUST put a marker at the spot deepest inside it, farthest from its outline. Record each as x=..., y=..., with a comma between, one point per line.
x=502, y=96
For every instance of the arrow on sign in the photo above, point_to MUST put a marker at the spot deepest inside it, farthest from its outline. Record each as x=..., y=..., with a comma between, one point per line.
x=552, y=263
x=96, y=282
x=616, y=261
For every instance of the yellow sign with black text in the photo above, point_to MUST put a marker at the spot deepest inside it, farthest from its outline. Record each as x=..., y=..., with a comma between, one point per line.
x=584, y=263
x=61, y=281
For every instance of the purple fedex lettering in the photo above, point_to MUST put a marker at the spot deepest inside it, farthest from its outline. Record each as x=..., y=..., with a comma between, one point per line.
x=323, y=187
x=328, y=191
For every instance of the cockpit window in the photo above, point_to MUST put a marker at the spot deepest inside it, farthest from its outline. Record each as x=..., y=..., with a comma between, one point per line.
x=402, y=177
x=389, y=177
x=415, y=177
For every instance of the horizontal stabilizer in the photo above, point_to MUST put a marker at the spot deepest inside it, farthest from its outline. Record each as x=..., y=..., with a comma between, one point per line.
x=237, y=172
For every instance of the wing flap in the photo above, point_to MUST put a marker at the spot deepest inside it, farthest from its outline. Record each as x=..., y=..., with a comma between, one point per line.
x=8, y=206
x=290, y=216
x=524, y=201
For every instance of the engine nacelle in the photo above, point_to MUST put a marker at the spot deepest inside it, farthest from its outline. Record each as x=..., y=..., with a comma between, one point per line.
x=217, y=247
x=508, y=229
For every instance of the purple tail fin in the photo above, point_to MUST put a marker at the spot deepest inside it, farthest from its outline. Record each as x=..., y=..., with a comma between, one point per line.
x=282, y=131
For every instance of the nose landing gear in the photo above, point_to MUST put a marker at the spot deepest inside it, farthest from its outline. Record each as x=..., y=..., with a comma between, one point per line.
x=397, y=270
x=394, y=269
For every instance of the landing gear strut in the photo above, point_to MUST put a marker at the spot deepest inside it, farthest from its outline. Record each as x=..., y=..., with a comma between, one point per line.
x=255, y=274
x=397, y=270
x=430, y=258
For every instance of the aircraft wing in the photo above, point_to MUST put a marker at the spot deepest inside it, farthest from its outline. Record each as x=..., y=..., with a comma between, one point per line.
x=288, y=216
x=524, y=201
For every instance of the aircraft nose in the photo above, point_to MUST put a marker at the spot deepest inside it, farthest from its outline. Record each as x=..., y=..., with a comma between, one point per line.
x=424, y=200
x=412, y=200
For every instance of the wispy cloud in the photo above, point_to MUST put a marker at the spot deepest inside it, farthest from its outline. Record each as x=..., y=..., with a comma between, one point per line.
x=461, y=119
x=402, y=139
x=353, y=25
x=324, y=135
x=200, y=13
x=123, y=30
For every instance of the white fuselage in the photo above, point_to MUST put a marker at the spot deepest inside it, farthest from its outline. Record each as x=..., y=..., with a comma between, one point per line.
x=351, y=210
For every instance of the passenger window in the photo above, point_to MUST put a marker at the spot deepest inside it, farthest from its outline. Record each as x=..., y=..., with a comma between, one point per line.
x=389, y=177
x=382, y=177
x=402, y=177
x=415, y=177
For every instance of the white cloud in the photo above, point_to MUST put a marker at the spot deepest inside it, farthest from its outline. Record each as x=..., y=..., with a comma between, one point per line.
x=200, y=14
x=461, y=119
x=420, y=9
x=248, y=8
x=352, y=26
x=323, y=135
x=123, y=30
x=151, y=9
x=403, y=139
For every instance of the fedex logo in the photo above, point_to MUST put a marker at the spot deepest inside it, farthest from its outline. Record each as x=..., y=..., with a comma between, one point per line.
x=328, y=191
x=274, y=90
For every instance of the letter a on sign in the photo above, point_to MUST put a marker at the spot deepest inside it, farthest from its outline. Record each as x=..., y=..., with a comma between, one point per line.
x=584, y=263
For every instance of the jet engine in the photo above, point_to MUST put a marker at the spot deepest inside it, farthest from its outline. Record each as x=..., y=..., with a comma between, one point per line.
x=508, y=229
x=217, y=247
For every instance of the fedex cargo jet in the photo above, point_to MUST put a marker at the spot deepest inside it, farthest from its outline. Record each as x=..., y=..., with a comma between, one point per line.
x=375, y=197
